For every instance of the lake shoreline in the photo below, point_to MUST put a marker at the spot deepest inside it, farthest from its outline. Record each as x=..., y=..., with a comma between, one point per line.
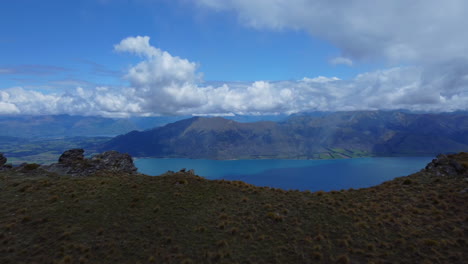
x=280, y=158
x=331, y=174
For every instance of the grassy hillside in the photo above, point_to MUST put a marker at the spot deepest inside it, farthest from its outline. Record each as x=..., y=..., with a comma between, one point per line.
x=181, y=218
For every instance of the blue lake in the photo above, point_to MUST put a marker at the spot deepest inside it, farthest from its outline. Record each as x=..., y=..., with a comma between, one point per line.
x=310, y=175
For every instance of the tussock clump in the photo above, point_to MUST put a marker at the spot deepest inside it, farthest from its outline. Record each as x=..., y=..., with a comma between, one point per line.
x=275, y=216
x=407, y=182
x=181, y=182
x=343, y=259
x=317, y=255
x=31, y=166
x=222, y=243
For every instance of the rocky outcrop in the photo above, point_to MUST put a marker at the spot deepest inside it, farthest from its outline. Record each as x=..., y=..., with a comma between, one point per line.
x=72, y=162
x=3, y=165
x=71, y=157
x=3, y=160
x=448, y=165
x=114, y=161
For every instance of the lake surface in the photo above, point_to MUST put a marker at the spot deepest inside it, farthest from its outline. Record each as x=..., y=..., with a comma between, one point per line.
x=310, y=175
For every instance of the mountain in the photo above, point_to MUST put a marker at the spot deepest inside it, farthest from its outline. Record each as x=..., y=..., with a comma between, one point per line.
x=63, y=126
x=328, y=135
x=45, y=126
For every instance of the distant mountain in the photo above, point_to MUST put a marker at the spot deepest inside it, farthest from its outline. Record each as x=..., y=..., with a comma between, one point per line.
x=325, y=135
x=91, y=126
x=72, y=126
x=63, y=126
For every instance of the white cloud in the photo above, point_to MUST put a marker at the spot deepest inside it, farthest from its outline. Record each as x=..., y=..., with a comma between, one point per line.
x=8, y=109
x=341, y=60
x=160, y=68
x=164, y=84
x=398, y=30
x=138, y=45
x=320, y=79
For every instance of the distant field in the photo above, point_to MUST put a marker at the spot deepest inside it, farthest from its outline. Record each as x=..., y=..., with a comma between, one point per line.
x=45, y=151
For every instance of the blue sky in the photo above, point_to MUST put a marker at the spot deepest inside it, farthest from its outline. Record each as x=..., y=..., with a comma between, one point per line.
x=230, y=57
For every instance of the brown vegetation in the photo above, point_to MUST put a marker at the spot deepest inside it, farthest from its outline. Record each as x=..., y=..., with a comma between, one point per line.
x=181, y=218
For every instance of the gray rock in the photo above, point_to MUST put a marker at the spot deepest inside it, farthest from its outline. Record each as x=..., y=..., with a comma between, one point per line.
x=72, y=162
x=114, y=161
x=3, y=160
x=71, y=156
x=456, y=165
x=444, y=165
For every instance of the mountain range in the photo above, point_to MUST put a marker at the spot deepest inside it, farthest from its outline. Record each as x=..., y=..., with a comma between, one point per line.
x=46, y=126
x=328, y=135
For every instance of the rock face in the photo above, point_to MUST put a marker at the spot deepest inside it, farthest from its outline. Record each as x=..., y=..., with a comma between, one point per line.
x=447, y=165
x=3, y=160
x=71, y=156
x=114, y=161
x=73, y=162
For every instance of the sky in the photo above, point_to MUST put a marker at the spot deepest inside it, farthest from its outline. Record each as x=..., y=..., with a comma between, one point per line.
x=120, y=58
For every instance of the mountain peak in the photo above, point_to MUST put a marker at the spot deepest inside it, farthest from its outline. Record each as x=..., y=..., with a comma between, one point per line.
x=211, y=123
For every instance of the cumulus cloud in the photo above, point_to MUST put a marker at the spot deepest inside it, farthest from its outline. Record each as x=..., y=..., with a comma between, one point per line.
x=162, y=84
x=138, y=45
x=159, y=68
x=98, y=101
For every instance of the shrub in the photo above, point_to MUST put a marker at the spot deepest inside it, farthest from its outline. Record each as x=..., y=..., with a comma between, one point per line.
x=31, y=166
x=53, y=198
x=407, y=182
x=183, y=182
x=317, y=255
x=430, y=242
x=275, y=216
x=343, y=259
x=222, y=243
x=234, y=231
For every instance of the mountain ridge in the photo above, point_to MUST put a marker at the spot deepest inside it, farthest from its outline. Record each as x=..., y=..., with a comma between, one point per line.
x=331, y=135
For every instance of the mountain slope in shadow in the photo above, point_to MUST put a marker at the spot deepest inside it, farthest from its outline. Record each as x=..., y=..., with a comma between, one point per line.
x=332, y=135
